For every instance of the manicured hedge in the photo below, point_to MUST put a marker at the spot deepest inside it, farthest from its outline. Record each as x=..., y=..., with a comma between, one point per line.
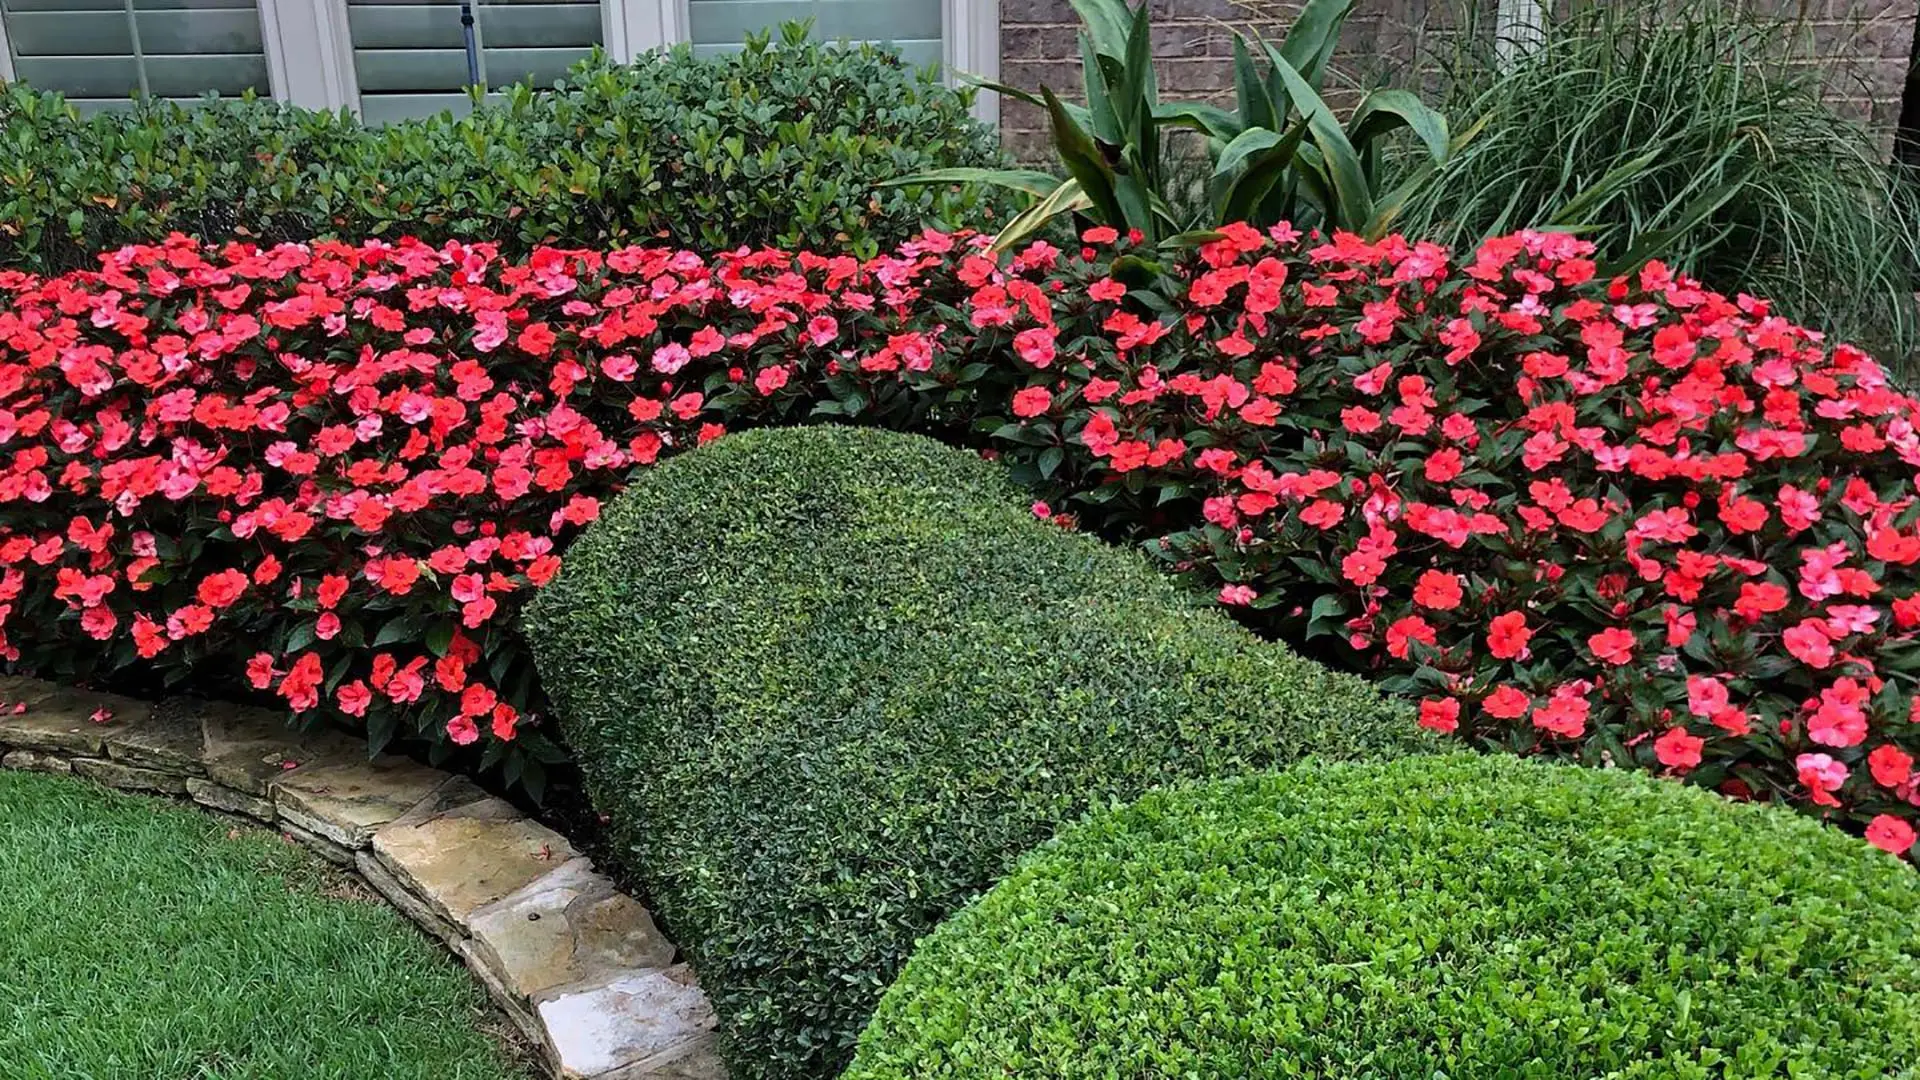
x=777, y=145
x=830, y=682
x=1457, y=916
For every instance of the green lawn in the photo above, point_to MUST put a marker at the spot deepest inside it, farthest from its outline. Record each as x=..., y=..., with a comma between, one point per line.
x=143, y=940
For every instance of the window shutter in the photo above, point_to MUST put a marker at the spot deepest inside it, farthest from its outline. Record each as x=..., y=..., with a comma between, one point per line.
x=102, y=52
x=912, y=26
x=411, y=60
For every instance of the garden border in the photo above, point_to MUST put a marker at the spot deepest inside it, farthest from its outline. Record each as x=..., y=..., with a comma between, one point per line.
x=578, y=965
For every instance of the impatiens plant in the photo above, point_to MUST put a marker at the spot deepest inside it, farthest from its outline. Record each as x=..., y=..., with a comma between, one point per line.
x=1626, y=521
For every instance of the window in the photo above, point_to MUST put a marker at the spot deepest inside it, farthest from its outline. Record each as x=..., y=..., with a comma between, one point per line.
x=410, y=56
x=390, y=59
x=912, y=26
x=102, y=52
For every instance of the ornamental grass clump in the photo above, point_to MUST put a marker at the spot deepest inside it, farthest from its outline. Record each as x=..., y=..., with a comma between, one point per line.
x=1452, y=916
x=829, y=683
x=1700, y=134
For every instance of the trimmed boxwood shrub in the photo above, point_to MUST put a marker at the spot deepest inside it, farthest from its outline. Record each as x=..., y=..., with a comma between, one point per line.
x=1451, y=916
x=828, y=683
x=781, y=144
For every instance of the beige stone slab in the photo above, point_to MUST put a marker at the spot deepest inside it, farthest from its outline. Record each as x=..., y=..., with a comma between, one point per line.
x=571, y=926
x=346, y=802
x=397, y=894
x=35, y=761
x=459, y=862
x=321, y=846
x=247, y=749
x=130, y=777
x=516, y=1009
x=633, y=1018
x=696, y=1059
x=61, y=721
x=220, y=797
x=168, y=739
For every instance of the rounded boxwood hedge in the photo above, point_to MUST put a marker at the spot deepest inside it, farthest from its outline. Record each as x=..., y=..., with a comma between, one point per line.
x=1445, y=917
x=829, y=683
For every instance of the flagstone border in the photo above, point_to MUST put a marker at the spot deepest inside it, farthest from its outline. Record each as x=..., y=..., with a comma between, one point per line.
x=577, y=964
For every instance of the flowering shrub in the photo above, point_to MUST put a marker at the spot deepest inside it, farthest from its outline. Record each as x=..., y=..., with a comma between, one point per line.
x=1628, y=521
x=339, y=470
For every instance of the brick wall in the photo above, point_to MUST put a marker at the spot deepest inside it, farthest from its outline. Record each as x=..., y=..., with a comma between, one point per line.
x=1867, y=41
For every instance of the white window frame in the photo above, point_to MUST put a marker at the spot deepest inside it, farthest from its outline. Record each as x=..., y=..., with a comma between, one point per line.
x=1519, y=27
x=310, y=52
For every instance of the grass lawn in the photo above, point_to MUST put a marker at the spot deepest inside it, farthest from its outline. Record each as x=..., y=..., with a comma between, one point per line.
x=142, y=940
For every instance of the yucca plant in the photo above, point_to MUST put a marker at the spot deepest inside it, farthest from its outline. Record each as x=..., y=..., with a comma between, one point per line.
x=1280, y=154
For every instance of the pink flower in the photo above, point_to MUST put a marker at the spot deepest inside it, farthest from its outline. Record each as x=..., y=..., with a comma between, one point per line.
x=463, y=731
x=1807, y=640
x=1237, y=595
x=1507, y=635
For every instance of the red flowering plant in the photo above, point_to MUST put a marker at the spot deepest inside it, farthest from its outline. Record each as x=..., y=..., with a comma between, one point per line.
x=336, y=471
x=1630, y=522
x=1625, y=521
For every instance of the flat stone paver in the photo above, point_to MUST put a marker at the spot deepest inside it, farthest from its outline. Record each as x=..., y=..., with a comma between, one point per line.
x=64, y=724
x=247, y=749
x=345, y=803
x=698, y=1059
x=130, y=777
x=35, y=761
x=222, y=797
x=169, y=738
x=570, y=926
x=629, y=1020
x=460, y=862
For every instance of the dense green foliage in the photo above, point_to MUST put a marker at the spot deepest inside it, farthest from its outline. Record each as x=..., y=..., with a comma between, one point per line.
x=781, y=145
x=1697, y=134
x=140, y=939
x=830, y=682
x=1280, y=154
x=1460, y=916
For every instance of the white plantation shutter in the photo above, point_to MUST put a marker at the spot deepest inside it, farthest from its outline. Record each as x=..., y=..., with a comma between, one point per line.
x=410, y=55
x=912, y=26
x=100, y=53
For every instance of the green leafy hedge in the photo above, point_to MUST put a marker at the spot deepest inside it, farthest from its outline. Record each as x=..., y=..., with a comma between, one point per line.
x=781, y=145
x=830, y=682
x=1458, y=916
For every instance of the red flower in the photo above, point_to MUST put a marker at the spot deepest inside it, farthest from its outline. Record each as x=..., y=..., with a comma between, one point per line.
x=219, y=591
x=1891, y=766
x=1507, y=635
x=1507, y=703
x=1612, y=646
x=1032, y=401
x=1440, y=714
x=1678, y=750
x=1890, y=834
x=1438, y=590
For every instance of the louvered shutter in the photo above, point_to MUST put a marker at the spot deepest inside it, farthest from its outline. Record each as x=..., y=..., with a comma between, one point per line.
x=912, y=26
x=102, y=52
x=411, y=60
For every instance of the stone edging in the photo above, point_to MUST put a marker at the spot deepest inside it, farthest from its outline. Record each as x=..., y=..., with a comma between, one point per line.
x=577, y=964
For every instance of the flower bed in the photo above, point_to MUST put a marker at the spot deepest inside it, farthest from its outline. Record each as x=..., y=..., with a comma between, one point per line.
x=1627, y=521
